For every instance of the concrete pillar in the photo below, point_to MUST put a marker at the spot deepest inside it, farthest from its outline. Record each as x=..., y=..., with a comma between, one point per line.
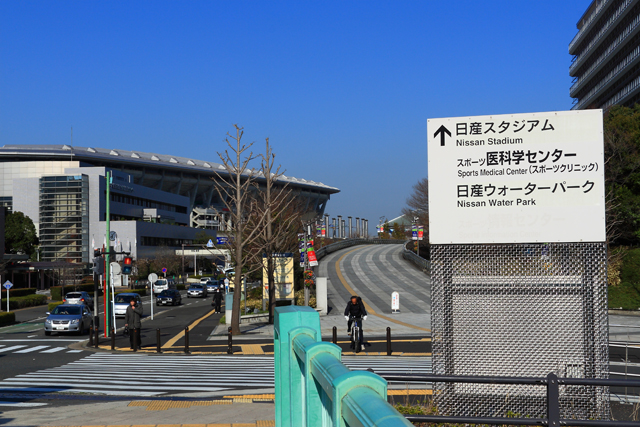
x=356, y=234
x=334, y=233
x=340, y=227
x=350, y=230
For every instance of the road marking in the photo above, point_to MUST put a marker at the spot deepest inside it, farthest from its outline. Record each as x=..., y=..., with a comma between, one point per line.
x=30, y=349
x=43, y=339
x=75, y=351
x=15, y=347
x=175, y=339
x=54, y=350
x=367, y=306
x=251, y=349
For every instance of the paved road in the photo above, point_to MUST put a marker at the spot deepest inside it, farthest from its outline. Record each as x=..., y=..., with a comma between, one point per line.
x=374, y=272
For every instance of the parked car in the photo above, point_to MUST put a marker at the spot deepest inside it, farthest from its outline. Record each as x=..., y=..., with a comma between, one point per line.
x=213, y=285
x=78, y=298
x=122, y=301
x=68, y=318
x=169, y=297
x=197, y=290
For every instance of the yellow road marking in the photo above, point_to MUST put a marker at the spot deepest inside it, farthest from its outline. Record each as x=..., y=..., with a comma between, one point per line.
x=251, y=348
x=367, y=306
x=175, y=339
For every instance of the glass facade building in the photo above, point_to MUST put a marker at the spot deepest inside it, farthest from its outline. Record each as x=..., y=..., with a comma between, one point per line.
x=64, y=218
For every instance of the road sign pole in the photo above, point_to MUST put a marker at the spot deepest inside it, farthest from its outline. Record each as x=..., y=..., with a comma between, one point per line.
x=8, y=310
x=153, y=277
x=107, y=318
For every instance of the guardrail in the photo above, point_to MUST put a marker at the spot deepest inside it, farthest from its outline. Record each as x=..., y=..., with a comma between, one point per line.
x=314, y=388
x=421, y=263
x=333, y=247
x=551, y=382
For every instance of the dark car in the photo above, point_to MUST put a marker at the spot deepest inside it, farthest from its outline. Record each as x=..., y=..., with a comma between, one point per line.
x=169, y=297
x=212, y=285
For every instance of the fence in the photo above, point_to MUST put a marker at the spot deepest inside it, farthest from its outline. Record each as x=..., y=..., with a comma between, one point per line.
x=421, y=263
x=314, y=388
x=556, y=390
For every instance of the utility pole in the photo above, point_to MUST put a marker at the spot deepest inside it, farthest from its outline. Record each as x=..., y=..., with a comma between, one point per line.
x=183, y=263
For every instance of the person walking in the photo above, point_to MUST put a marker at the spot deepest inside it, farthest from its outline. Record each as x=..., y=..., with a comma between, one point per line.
x=217, y=300
x=132, y=321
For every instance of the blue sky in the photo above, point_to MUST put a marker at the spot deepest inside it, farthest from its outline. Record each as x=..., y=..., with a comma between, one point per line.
x=342, y=89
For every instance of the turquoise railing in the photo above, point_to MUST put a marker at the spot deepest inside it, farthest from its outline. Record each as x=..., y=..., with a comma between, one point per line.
x=314, y=388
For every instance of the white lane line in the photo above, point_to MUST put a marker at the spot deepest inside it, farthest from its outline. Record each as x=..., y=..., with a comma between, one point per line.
x=79, y=390
x=22, y=404
x=54, y=350
x=15, y=347
x=31, y=336
x=30, y=349
x=75, y=351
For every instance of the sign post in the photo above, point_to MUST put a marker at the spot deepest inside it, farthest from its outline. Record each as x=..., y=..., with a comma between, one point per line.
x=518, y=254
x=8, y=285
x=395, y=303
x=153, y=278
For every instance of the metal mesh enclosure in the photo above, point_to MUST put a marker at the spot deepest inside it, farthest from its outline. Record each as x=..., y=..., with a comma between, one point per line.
x=521, y=310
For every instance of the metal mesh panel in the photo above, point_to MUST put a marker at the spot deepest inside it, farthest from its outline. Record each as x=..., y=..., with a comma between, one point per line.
x=520, y=310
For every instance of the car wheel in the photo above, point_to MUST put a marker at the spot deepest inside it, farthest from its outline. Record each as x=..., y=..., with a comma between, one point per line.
x=47, y=333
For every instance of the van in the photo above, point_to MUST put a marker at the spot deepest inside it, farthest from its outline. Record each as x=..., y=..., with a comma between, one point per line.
x=163, y=285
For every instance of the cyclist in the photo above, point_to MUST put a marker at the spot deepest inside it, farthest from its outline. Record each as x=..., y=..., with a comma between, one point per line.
x=355, y=311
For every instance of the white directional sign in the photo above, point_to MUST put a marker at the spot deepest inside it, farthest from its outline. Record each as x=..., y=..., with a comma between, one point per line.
x=517, y=178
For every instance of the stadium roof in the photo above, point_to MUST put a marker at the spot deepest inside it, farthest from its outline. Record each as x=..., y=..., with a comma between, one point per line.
x=101, y=156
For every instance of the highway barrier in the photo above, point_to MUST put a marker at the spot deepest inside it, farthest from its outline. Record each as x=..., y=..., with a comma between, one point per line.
x=314, y=387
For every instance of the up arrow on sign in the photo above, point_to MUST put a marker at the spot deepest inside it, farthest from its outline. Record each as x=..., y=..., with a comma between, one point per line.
x=442, y=131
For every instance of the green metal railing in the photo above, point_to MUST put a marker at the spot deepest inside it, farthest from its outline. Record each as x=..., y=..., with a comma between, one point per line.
x=313, y=386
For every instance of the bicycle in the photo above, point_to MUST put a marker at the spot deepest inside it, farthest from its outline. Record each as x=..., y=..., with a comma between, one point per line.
x=356, y=334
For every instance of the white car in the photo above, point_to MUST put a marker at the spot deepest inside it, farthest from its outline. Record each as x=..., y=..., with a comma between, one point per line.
x=204, y=280
x=122, y=301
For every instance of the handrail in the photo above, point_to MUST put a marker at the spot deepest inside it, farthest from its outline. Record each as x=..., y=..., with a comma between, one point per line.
x=421, y=263
x=313, y=386
x=333, y=247
x=551, y=382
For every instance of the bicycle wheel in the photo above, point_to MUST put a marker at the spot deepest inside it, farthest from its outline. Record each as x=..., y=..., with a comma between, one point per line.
x=356, y=339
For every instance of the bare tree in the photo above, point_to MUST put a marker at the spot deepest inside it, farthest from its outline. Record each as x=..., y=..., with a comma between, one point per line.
x=280, y=219
x=418, y=204
x=237, y=191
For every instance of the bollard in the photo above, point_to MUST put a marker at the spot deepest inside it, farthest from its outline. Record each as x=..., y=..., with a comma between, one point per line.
x=136, y=334
x=230, y=343
x=388, y=341
x=90, y=336
x=335, y=335
x=158, y=342
x=96, y=326
x=186, y=340
x=113, y=339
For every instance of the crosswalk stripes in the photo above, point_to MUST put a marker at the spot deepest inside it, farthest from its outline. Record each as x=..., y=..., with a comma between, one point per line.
x=20, y=349
x=149, y=375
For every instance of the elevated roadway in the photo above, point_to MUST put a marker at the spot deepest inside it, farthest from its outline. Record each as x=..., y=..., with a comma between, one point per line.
x=373, y=272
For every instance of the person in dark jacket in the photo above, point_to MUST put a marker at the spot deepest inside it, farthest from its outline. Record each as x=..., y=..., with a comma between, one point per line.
x=217, y=300
x=132, y=321
x=355, y=309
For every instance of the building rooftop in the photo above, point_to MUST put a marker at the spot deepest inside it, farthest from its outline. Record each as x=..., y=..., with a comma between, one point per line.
x=155, y=160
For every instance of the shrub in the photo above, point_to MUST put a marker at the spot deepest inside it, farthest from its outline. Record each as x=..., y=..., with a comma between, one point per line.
x=53, y=305
x=141, y=292
x=22, y=292
x=630, y=270
x=299, y=295
x=7, y=318
x=625, y=296
x=23, y=302
x=180, y=287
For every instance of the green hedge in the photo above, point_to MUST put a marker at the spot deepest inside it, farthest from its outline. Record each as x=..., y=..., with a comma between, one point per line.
x=180, y=287
x=7, y=318
x=53, y=305
x=21, y=292
x=23, y=302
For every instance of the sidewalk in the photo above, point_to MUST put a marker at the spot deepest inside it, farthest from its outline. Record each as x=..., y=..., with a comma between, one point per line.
x=232, y=411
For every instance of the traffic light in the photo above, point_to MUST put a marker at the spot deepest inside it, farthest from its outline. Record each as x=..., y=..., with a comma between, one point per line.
x=98, y=265
x=97, y=252
x=126, y=265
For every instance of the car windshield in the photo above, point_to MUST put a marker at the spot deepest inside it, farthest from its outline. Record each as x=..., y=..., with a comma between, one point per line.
x=123, y=299
x=165, y=294
x=196, y=287
x=66, y=310
x=73, y=295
